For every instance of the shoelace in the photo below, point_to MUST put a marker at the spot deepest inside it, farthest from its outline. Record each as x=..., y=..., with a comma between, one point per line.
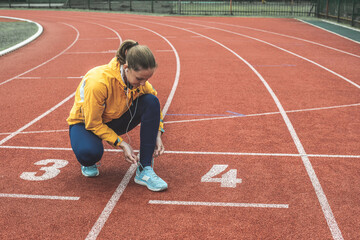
x=149, y=171
x=95, y=165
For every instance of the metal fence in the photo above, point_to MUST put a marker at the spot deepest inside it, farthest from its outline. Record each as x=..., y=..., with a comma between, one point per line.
x=346, y=11
x=181, y=7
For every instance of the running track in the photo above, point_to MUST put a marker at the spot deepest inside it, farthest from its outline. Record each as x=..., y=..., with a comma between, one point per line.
x=262, y=131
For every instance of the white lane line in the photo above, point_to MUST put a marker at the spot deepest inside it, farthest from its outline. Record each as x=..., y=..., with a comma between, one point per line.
x=292, y=37
x=49, y=78
x=219, y=204
x=72, y=44
x=96, y=229
x=325, y=206
x=262, y=114
x=327, y=30
x=101, y=52
x=287, y=51
x=26, y=41
x=263, y=154
x=177, y=75
x=195, y=152
x=33, y=132
x=341, y=25
x=209, y=119
x=7, y=195
x=274, y=33
x=36, y=119
x=92, y=39
x=118, y=37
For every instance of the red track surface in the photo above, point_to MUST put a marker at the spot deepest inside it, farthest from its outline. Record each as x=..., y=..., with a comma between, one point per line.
x=223, y=65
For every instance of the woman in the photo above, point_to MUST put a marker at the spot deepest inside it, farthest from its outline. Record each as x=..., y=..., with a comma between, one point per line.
x=111, y=100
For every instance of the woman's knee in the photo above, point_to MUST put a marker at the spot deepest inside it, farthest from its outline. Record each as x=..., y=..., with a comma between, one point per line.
x=89, y=156
x=150, y=101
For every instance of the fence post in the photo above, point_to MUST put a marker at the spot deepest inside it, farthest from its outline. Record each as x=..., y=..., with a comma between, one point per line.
x=338, y=11
x=231, y=13
x=327, y=9
x=152, y=6
x=179, y=7
x=353, y=14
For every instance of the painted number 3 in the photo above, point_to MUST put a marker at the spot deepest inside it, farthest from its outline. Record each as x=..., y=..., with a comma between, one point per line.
x=51, y=170
x=228, y=179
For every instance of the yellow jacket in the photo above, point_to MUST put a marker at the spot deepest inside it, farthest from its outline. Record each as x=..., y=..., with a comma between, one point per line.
x=100, y=98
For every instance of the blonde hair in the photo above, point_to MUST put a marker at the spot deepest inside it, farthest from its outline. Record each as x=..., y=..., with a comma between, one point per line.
x=136, y=56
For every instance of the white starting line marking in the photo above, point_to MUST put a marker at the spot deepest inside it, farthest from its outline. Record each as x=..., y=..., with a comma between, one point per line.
x=100, y=52
x=196, y=153
x=49, y=77
x=219, y=204
x=7, y=195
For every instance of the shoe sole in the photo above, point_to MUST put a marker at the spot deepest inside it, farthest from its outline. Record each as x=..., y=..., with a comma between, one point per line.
x=150, y=188
x=89, y=176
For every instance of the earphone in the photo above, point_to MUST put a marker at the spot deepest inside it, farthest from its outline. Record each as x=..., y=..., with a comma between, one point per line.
x=126, y=89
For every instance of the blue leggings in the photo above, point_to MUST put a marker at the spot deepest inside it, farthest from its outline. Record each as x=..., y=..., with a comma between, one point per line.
x=88, y=147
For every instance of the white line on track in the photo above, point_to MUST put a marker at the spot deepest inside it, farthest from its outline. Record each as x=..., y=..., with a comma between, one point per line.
x=49, y=77
x=34, y=132
x=219, y=204
x=51, y=109
x=212, y=118
x=261, y=114
x=36, y=119
x=292, y=37
x=278, y=34
x=26, y=41
x=196, y=152
x=92, y=39
x=101, y=52
x=116, y=33
x=328, y=214
x=7, y=195
x=42, y=64
x=275, y=46
x=96, y=229
x=328, y=31
x=341, y=25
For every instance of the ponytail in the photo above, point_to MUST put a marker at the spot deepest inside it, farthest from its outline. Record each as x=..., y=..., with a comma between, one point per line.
x=124, y=47
x=137, y=56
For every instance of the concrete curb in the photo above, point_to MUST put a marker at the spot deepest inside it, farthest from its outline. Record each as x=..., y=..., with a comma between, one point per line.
x=23, y=43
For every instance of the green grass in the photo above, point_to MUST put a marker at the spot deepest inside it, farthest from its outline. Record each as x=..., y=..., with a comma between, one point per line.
x=13, y=33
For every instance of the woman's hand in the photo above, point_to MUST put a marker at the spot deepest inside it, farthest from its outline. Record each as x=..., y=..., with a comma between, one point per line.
x=128, y=153
x=159, y=149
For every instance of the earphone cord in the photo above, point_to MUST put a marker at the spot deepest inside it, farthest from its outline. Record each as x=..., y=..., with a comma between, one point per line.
x=131, y=117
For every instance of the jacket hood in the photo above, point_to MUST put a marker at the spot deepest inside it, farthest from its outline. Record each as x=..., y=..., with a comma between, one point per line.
x=114, y=65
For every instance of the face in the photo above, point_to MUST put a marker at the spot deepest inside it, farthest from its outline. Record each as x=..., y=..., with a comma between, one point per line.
x=138, y=78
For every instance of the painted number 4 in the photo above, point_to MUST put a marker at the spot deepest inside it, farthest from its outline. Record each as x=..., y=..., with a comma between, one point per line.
x=228, y=179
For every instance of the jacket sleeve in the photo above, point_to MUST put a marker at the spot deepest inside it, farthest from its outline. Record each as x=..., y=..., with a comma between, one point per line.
x=95, y=94
x=150, y=89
